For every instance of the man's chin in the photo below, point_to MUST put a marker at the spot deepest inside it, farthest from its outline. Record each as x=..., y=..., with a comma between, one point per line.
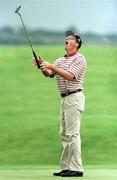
x=65, y=48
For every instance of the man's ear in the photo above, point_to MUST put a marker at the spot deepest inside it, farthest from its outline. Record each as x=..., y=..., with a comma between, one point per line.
x=76, y=44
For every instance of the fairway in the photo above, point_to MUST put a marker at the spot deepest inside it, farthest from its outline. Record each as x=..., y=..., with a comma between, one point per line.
x=45, y=173
x=29, y=112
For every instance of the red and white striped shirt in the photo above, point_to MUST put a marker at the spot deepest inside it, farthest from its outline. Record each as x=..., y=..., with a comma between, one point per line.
x=76, y=64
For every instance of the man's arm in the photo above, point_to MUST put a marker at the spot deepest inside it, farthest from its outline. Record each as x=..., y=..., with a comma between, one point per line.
x=61, y=72
x=47, y=72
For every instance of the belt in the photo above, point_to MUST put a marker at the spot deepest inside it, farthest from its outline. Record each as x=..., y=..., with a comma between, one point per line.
x=70, y=92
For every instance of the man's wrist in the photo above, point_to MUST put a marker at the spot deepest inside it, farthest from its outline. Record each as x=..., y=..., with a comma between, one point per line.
x=52, y=67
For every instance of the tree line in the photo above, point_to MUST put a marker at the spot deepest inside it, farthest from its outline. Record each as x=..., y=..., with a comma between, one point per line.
x=10, y=36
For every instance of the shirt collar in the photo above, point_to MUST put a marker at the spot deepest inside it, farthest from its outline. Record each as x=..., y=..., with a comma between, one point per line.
x=71, y=54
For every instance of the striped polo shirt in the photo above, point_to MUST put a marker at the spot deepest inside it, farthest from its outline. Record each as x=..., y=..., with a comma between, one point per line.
x=76, y=64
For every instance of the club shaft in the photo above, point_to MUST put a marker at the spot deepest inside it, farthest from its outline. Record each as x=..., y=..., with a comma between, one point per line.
x=37, y=62
x=26, y=32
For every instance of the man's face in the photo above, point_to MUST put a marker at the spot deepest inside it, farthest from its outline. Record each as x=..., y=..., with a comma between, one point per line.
x=70, y=43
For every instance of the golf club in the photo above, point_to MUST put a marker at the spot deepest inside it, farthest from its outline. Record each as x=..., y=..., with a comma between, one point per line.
x=37, y=61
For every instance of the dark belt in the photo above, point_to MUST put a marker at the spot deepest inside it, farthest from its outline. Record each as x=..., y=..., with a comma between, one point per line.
x=68, y=92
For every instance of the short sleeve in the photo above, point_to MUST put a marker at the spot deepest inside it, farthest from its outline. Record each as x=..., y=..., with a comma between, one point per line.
x=77, y=67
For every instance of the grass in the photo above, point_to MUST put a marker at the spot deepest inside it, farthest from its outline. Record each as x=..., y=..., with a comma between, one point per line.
x=29, y=108
x=45, y=173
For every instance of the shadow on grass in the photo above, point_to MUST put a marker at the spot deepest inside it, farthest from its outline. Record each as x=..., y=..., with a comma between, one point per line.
x=45, y=173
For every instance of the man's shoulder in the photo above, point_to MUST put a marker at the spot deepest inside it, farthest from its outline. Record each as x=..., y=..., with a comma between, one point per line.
x=58, y=60
x=80, y=57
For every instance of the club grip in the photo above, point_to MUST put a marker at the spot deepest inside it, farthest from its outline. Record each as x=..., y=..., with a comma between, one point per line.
x=37, y=61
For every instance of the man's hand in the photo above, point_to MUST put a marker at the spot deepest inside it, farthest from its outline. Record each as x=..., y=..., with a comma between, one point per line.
x=46, y=69
x=45, y=66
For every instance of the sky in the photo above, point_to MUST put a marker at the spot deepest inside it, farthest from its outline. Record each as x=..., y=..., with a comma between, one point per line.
x=95, y=16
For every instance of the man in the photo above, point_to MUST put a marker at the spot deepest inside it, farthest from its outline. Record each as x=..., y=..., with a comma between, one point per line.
x=69, y=71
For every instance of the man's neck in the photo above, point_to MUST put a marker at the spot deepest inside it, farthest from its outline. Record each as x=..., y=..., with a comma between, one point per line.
x=72, y=52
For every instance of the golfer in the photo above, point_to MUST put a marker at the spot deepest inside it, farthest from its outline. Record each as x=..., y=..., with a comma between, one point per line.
x=69, y=71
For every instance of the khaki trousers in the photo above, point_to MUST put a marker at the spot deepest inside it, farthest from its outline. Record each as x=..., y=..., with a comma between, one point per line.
x=71, y=108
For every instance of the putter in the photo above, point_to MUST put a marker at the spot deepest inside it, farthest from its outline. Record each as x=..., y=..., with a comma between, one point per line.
x=37, y=61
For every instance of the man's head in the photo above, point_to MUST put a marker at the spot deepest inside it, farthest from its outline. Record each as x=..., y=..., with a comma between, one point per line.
x=73, y=41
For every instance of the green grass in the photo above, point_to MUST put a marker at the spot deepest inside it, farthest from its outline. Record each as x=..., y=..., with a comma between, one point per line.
x=29, y=108
x=45, y=173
